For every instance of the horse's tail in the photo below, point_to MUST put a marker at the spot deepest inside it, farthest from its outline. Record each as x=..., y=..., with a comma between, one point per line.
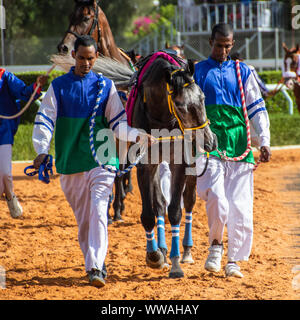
x=110, y=68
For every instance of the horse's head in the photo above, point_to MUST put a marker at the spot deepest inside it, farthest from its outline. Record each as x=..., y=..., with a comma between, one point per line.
x=186, y=100
x=291, y=65
x=83, y=21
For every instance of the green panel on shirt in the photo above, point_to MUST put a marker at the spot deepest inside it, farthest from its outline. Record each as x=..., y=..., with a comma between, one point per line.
x=72, y=146
x=228, y=124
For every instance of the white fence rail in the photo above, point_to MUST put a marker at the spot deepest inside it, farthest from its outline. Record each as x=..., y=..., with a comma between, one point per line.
x=243, y=17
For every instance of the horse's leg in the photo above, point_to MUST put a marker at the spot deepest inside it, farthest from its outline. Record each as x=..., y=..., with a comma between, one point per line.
x=118, y=204
x=109, y=219
x=174, y=214
x=189, y=198
x=127, y=183
x=159, y=205
x=145, y=177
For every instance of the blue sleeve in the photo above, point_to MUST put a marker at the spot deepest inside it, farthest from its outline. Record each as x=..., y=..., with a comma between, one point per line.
x=18, y=88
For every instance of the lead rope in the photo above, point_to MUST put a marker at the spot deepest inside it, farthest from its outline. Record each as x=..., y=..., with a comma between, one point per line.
x=248, y=149
x=108, y=168
x=29, y=101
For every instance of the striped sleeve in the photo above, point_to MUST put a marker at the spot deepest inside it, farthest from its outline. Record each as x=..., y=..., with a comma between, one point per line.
x=45, y=122
x=117, y=118
x=257, y=113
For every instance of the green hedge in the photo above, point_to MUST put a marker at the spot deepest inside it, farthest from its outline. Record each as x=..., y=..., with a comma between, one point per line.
x=29, y=78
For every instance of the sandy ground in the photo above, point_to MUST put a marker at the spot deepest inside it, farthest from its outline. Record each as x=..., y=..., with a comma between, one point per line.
x=42, y=259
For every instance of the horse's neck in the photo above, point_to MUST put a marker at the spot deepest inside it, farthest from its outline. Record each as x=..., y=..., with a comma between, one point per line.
x=108, y=45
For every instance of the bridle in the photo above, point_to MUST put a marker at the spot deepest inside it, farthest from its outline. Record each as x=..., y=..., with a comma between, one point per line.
x=92, y=29
x=172, y=108
x=174, y=113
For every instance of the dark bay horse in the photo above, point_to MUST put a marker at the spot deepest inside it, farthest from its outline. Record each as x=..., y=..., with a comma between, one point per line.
x=88, y=18
x=168, y=99
x=291, y=71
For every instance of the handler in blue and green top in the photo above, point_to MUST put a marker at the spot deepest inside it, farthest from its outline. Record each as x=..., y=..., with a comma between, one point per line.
x=227, y=187
x=69, y=103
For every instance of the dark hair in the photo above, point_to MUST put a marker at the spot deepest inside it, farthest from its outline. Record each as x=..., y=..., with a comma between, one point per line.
x=85, y=41
x=225, y=29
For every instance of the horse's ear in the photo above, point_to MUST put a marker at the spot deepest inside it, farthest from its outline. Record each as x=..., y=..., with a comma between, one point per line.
x=191, y=66
x=167, y=45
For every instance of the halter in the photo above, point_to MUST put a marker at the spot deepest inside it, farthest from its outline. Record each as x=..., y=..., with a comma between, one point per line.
x=174, y=113
x=43, y=171
x=94, y=24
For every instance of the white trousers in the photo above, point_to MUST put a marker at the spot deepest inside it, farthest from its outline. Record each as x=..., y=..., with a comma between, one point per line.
x=88, y=195
x=227, y=188
x=6, y=180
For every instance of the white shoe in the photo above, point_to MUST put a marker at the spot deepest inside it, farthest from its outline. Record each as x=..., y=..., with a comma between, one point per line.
x=233, y=270
x=213, y=261
x=14, y=207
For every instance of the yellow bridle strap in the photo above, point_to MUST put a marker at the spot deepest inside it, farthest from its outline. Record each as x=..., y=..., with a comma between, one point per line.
x=173, y=112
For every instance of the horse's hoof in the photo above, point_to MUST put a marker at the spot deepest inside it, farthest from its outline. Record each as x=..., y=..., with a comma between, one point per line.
x=176, y=274
x=155, y=259
x=165, y=267
x=176, y=271
x=187, y=256
x=118, y=219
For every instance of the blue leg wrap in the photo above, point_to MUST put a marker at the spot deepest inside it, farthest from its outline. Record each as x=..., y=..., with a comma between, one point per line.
x=175, y=242
x=187, y=240
x=161, y=237
x=151, y=242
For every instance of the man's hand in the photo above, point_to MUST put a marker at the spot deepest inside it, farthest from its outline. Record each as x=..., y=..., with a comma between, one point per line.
x=42, y=80
x=265, y=154
x=38, y=160
x=145, y=139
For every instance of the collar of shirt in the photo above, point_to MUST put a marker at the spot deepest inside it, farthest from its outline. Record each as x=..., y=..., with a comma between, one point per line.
x=218, y=64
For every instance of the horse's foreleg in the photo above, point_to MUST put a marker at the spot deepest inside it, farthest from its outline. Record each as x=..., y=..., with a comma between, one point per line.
x=145, y=177
x=175, y=214
x=189, y=197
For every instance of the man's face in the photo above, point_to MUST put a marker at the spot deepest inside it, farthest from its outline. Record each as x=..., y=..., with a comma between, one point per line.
x=221, y=46
x=85, y=58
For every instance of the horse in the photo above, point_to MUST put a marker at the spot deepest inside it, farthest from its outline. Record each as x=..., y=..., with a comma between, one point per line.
x=291, y=71
x=88, y=18
x=168, y=98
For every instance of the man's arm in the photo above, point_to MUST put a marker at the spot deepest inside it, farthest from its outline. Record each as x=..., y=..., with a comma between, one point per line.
x=258, y=116
x=44, y=126
x=117, y=121
x=20, y=90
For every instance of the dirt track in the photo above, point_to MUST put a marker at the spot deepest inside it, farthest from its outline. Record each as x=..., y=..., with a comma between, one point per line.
x=42, y=259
